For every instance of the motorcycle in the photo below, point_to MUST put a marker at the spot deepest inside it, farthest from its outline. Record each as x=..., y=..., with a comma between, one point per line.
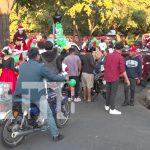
x=17, y=125
x=99, y=86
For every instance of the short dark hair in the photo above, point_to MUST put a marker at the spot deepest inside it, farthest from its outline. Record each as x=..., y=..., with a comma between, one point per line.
x=44, y=37
x=41, y=45
x=63, y=52
x=119, y=46
x=111, y=45
x=92, y=49
x=48, y=45
x=102, y=40
x=33, y=53
x=71, y=50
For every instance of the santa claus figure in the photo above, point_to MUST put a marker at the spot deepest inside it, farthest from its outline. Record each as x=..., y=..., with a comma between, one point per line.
x=20, y=39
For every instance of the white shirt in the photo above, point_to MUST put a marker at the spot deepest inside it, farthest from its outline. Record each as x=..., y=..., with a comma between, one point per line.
x=103, y=46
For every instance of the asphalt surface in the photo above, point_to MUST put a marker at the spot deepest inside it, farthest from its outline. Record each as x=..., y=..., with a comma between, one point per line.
x=92, y=128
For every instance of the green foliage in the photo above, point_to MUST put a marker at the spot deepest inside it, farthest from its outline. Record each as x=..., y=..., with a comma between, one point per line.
x=91, y=16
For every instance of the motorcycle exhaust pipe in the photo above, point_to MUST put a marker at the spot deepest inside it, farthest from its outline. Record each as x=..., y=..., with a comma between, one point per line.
x=24, y=133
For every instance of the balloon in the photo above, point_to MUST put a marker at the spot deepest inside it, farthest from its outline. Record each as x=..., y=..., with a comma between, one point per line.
x=72, y=82
x=58, y=25
x=98, y=42
x=16, y=58
x=113, y=41
x=32, y=46
x=94, y=39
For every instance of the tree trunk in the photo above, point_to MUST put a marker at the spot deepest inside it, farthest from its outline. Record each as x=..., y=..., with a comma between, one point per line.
x=124, y=39
x=4, y=29
x=137, y=37
x=118, y=37
x=5, y=9
x=76, y=30
x=90, y=28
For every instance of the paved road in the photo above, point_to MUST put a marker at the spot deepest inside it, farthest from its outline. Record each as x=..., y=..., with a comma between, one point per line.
x=92, y=128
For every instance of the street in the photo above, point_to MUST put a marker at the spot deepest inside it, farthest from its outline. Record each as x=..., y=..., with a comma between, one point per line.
x=92, y=128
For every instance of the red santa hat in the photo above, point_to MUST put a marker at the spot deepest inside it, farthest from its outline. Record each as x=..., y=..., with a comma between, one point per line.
x=133, y=49
x=21, y=28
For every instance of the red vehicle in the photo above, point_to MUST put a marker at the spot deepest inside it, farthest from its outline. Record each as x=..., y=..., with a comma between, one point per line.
x=145, y=56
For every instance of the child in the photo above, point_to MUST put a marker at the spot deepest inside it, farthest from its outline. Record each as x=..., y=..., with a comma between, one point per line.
x=8, y=74
x=134, y=72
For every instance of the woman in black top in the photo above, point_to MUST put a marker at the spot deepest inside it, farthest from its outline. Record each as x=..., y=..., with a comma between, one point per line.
x=8, y=69
x=20, y=39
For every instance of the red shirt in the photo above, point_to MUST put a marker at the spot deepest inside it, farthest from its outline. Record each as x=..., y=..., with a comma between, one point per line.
x=114, y=66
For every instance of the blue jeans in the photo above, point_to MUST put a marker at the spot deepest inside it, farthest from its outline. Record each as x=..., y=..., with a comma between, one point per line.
x=51, y=123
x=45, y=109
x=45, y=112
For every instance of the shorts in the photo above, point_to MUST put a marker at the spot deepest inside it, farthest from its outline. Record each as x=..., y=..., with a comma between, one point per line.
x=87, y=80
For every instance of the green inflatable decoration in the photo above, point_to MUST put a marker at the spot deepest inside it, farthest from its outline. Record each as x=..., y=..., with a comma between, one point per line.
x=60, y=40
x=95, y=40
x=58, y=25
x=32, y=46
x=16, y=58
x=72, y=82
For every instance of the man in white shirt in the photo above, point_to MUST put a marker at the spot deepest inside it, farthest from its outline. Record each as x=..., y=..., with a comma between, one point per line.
x=103, y=45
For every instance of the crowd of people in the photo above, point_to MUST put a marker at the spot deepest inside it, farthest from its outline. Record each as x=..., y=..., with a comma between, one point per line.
x=45, y=62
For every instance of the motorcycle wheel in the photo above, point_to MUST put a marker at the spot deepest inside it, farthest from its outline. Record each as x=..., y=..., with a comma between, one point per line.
x=63, y=119
x=9, y=126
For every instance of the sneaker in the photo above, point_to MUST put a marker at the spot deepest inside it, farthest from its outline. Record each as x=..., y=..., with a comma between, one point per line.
x=79, y=99
x=69, y=99
x=114, y=112
x=107, y=108
x=131, y=103
x=58, y=138
x=125, y=104
x=75, y=100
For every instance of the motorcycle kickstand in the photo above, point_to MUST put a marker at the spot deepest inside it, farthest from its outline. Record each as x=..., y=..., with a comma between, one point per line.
x=24, y=115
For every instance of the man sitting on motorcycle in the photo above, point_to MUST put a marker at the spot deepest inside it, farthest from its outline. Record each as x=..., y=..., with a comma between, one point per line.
x=34, y=72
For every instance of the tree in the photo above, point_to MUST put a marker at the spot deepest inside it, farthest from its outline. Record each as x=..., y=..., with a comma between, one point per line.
x=5, y=9
x=128, y=17
x=81, y=17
